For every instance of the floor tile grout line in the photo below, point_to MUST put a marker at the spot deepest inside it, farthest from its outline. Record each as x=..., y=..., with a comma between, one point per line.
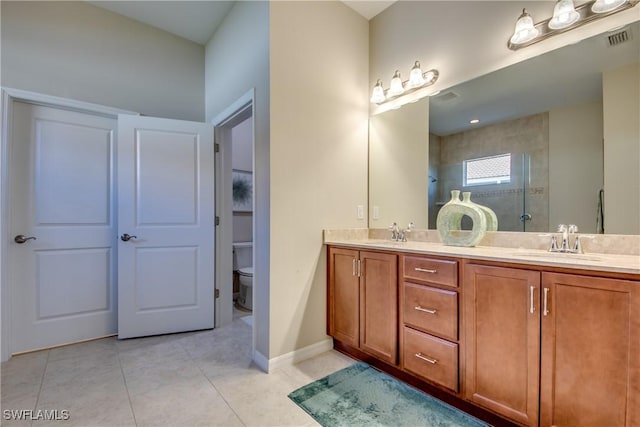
x=44, y=373
x=213, y=385
x=126, y=387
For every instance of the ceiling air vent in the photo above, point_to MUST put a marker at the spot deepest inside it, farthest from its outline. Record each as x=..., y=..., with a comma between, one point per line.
x=446, y=97
x=618, y=37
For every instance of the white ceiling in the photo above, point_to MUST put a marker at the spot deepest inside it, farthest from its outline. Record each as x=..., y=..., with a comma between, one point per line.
x=368, y=9
x=192, y=20
x=198, y=20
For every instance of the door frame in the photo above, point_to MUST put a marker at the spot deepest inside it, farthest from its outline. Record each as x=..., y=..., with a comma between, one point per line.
x=9, y=96
x=238, y=111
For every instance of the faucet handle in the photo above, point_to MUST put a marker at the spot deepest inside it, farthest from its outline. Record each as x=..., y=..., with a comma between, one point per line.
x=577, y=246
x=394, y=231
x=573, y=228
x=404, y=233
x=562, y=228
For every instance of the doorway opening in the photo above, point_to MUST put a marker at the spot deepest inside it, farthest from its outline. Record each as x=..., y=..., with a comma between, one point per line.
x=235, y=199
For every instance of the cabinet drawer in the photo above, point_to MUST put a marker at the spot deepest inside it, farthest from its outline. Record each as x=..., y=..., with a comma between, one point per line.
x=437, y=271
x=431, y=309
x=431, y=358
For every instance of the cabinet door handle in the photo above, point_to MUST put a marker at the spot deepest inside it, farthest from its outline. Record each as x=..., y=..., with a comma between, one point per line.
x=426, y=359
x=426, y=310
x=532, y=291
x=353, y=267
x=359, y=268
x=545, y=309
x=425, y=270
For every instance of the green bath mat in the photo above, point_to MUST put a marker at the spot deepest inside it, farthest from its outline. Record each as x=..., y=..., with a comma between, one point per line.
x=362, y=396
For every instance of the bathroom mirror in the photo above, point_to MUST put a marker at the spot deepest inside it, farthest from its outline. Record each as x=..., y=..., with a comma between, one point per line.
x=548, y=114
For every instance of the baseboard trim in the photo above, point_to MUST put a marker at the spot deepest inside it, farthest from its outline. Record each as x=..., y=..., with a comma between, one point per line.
x=260, y=360
x=300, y=354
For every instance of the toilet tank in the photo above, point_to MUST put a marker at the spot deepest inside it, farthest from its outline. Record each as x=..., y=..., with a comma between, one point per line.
x=242, y=255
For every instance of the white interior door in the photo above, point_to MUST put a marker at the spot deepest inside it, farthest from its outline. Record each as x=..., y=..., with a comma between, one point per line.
x=166, y=205
x=60, y=187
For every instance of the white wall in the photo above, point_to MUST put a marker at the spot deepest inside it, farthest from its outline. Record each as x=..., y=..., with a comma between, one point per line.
x=575, y=165
x=621, y=92
x=79, y=51
x=463, y=39
x=319, y=112
x=242, y=136
x=237, y=60
x=242, y=159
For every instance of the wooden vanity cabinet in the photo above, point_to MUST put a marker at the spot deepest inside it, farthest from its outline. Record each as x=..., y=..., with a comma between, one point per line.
x=569, y=342
x=363, y=301
x=590, y=372
x=344, y=296
x=502, y=340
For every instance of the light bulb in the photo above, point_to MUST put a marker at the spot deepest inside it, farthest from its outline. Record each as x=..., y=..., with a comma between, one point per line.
x=525, y=31
x=415, y=77
x=396, y=87
x=604, y=6
x=377, y=96
x=564, y=15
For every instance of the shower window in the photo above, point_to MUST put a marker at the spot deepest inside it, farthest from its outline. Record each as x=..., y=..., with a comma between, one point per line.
x=487, y=170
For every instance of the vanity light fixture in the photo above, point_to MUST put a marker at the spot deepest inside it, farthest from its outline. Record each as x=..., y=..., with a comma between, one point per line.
x=397, y=87
x=565, y=17
x=525, y=30
x=416, y=79
x=377, y=96
x=604, y=6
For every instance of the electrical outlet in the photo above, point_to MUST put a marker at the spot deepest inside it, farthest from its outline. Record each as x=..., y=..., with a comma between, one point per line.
x=360, y=212
x=376, y=212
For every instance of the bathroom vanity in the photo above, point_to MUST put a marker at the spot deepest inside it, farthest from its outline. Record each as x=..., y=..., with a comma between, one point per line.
x=535, y=338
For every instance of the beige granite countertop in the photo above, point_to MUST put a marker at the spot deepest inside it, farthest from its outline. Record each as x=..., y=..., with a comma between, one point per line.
x=619, y=263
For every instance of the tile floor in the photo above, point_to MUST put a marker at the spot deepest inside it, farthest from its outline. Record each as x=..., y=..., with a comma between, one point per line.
x=192, y=379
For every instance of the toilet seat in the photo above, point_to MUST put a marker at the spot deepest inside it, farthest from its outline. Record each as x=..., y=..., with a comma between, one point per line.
x=246, y=271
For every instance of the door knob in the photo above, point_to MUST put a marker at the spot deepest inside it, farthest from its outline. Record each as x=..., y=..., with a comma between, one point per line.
x=125, y=237
x=20, y=238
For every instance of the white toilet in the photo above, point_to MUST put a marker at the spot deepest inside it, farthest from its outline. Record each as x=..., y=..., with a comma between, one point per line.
x=243, y=264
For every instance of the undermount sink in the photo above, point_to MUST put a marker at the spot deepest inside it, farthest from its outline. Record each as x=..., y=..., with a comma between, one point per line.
x=559, y=255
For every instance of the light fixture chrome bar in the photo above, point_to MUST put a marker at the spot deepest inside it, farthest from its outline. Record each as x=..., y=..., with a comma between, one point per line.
x=433, y=74
x=586, y=16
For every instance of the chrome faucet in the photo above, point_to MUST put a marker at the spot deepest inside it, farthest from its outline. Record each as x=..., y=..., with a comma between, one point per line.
x=398, y=235
x=566, y=231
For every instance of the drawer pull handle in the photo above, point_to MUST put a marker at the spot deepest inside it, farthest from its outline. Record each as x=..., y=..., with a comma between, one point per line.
x=425, y=270
x=426, y=359
x=426, y=310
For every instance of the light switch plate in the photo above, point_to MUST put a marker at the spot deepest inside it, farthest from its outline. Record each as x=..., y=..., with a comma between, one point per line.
x=360, y=212
x=376, y=212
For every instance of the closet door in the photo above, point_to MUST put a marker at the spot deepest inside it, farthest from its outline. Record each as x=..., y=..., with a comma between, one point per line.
x=166, y=226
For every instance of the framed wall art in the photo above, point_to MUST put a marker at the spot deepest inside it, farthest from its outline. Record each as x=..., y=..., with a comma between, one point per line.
x=242, y=191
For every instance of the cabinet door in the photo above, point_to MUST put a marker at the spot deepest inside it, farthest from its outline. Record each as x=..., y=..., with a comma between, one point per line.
x=379, y=305
x=502, y=339
x=344, y=296
x=590, y=352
